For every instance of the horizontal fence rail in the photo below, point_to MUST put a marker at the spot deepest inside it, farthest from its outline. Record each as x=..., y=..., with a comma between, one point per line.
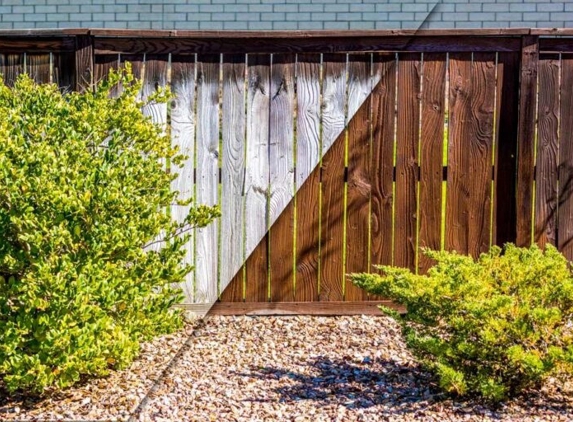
x=329, y=152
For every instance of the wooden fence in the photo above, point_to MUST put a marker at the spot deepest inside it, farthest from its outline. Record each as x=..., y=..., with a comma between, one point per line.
x=332, y=151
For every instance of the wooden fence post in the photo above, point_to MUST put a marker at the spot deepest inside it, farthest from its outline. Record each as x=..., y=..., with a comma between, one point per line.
x=84, y=63
x=525, y=138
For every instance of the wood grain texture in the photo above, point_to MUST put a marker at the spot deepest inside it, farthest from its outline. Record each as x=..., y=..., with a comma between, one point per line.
x=62, y=71
x=333, y=150
x=459, y=131
x=18, y=45
x=38, y=67
x=407, y=137
x=281, y=174
x=11, y=65
x=555, y=45
x=290, y=34
x=183, y=136
x=83, y=63
x=307, y=177
x=329, y=44
x=102, y=66
x=383, y=117
x=431, y=150
x=300, y=308
x=233, y=176
x=504, y=228
x=525, y=139
x=481, y=151
x=136, y=62
x=547, y=151
x=207, y=168
x=359, y=171
x=565, y=222
x=257, y=176
x=472, y=99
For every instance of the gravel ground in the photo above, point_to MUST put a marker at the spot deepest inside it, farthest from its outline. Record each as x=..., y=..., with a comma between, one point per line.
x=279, y=369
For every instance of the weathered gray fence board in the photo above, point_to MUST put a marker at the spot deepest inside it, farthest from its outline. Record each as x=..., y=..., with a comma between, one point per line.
x=233, y=170
x=183, y=136
x=207, y=174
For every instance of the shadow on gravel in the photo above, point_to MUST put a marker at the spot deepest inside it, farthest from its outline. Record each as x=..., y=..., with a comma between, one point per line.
x=397, y=389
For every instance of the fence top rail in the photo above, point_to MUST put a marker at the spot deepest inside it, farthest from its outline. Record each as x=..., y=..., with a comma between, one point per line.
x=136, y=33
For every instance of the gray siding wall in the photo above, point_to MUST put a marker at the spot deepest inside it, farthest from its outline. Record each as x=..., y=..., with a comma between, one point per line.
x=284, y=14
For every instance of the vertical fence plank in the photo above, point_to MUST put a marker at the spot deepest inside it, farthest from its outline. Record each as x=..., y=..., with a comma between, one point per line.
x=565, y=223
x=307, y=180
x=525, y=138
x=63, y=73
x=233, y=177
x=183, y=136
x=84, y=64
x=257, y=176
x=281, y=154
x=407, y=136
x=206, y=191
x=457, y=212
x=359, y=177
x=332, y=214
x=103, y=64
x=431, y=151
x=136, y=62
x=504, y=228
x=472, y=99
x=482, y=102
x=383, y=116
x=547, y=151
x=11, y=65
x=38, y=67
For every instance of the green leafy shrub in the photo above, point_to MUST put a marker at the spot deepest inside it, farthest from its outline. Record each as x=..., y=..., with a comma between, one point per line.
x=492, y=326
x=83, y=190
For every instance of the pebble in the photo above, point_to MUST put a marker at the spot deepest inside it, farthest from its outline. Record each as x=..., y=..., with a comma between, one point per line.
x=303, y=368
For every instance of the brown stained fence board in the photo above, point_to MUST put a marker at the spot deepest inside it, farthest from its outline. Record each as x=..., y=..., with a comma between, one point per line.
x=292, y=34
x=333, y=44
x=233, y=174
x=298, y=308
x=183, y=136
x=525, y=138
x=83, y=77
x=256, y=273
x=482, y=102
x=63, y=73
x=383, y=113
x=234, y=292
x=36, y=44
x=103, y=65
x=257, y=177
x=307, y=177
x=207, y=173
x=38, y=67
x=136, y=62
x=332, y=213
x=359, y=177
x=431, y=151
x=504, y=229
x=11, y=65
x=407, y=134
x=457, y=206
x=556, y=45
x=547, y=151
x=281, y=154
x=565, y=213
